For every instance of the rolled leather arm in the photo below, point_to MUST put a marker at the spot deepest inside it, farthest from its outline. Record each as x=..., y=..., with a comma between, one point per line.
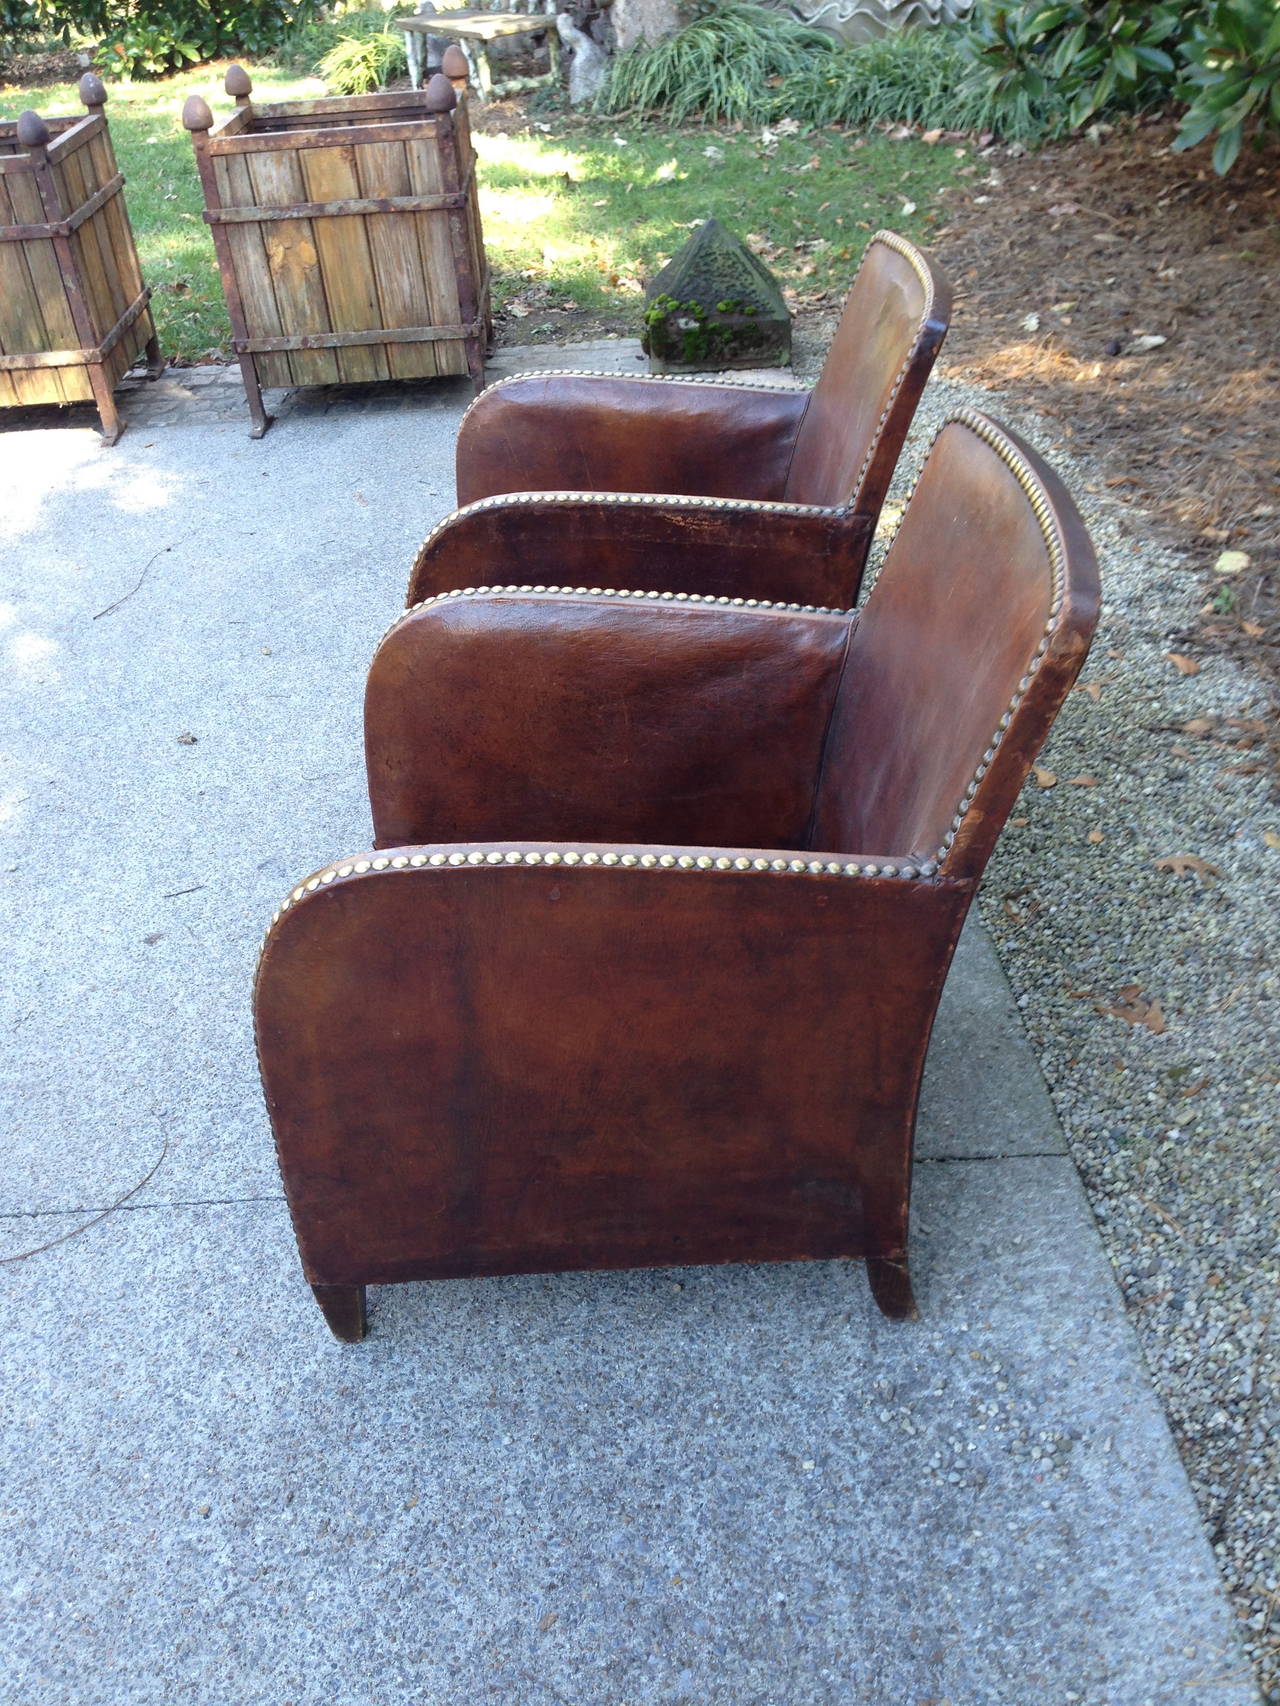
x=593, y=432
x=786, y=553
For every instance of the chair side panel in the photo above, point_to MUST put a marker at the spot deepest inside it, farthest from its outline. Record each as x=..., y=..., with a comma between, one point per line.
x=484, y=1070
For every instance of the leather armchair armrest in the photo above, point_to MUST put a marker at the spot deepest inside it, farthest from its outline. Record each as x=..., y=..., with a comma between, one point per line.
x=785, y=553
x=593, y=432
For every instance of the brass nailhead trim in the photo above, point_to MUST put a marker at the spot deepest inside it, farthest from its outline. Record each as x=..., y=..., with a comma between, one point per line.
x=468, y=858
x=723, y=602
x=626, y=378
x=622, y=500
x=915, y=261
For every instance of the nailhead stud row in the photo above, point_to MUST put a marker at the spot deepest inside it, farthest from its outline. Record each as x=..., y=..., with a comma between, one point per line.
x=475, y=856
x=614, y=592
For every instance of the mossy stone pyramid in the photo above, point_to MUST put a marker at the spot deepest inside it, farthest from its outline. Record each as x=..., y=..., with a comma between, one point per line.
x=715, y=305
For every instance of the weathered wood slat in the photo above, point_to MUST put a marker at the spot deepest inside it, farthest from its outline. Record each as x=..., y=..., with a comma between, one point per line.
x=23, y=326
x=345, y=263
x=383, y=172
x=252, y=270
x=294, y=262
x=74, y=133
x=426, y=175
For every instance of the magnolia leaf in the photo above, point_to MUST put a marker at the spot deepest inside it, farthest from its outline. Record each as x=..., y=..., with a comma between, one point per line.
x=1186, y=865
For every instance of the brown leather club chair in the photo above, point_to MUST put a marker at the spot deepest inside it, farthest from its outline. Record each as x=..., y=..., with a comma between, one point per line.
x=667, y=888
x=779, y=491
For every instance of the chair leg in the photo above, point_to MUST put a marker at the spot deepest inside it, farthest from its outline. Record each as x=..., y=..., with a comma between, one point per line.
x=890, y=1282
x=155, y=361
x=343, y=1307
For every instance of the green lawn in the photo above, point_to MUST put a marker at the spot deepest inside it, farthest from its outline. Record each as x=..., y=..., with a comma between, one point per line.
x=576, y=215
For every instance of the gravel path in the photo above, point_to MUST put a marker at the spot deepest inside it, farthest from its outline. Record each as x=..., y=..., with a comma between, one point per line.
x=1171, y=1113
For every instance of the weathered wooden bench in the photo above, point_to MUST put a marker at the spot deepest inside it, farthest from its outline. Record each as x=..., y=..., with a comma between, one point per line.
x=476, y=33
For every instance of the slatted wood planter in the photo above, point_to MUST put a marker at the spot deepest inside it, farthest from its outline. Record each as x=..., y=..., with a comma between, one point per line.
x=348, y=237
x=74, y=313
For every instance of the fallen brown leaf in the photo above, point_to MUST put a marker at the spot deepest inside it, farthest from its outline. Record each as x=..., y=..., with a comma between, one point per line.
x=1095, y=837
x=1183, y=664
x=1082, y=781
x=1135, y=1008
x=1019, y=822
x=1254, y=630
x=1044, y=778
x=1199, y=727
x=1271, y=838
x=1186, y=865
x=547, y=1619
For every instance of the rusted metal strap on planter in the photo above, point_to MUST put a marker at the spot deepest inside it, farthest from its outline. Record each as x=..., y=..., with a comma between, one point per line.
x=64, y=227
x=336, y=209
x=78, y=357
x=328, y=136
x=351, y=340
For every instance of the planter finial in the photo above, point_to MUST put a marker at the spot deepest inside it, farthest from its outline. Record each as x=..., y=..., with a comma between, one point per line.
x=454, y=66
x=440, y=95
x=93, y=91
x=197, y=114
x=33, y=132
x=237, y=82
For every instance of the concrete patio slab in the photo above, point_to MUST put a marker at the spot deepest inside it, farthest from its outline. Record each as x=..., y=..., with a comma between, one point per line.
x=735, y=1485
x=724, y=1485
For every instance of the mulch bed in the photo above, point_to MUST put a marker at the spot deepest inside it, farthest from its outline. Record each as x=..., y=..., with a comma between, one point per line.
x=1065, y=263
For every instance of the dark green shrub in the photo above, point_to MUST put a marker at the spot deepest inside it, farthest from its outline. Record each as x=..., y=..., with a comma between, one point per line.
x=1221, y=59
x=146, y=38
x=1087, y=56
x=747, y=65
x=1233, y=77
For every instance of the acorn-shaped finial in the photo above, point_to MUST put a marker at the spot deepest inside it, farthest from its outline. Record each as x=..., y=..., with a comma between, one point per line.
x=93, y=91
x=441, y=97
x=197, y=114
x=33, y=132
x=454, y=66
x=237, y=83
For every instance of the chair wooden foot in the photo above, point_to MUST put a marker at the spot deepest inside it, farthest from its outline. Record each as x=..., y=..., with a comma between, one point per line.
x=890, y=1282
x=155, y=361
x=343, y=1307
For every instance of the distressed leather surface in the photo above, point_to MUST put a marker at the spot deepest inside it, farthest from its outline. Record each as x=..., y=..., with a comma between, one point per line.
x=491, y=1070
x=492, y=1064
x=944, y=638
x=788, y=557
x=591, y=432
x=599, y=718
x=835, y=448
x=866, y=395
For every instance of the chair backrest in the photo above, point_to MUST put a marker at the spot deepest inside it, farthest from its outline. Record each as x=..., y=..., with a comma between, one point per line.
x=966, y=648
x=895, y=318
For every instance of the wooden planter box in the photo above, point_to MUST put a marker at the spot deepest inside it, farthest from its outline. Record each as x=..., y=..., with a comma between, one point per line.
x=73, y=308
x=348, y=237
